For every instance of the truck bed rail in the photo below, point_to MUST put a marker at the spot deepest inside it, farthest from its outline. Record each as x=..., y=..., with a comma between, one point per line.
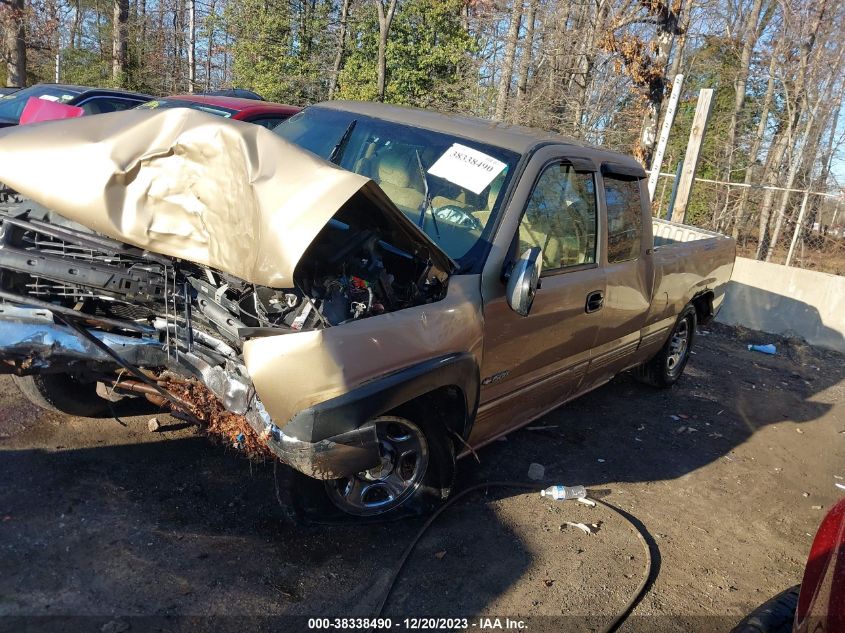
x=666, y=233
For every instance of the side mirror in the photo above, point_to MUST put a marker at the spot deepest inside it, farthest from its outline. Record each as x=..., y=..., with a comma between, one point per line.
x=524, y=281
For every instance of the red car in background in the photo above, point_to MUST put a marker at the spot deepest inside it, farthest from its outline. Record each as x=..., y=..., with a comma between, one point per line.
x=818, y=604
x=259, y=112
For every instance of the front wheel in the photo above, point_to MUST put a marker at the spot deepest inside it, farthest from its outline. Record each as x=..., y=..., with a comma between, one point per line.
x=62, y=393
x=664, y=369
x=415, y=475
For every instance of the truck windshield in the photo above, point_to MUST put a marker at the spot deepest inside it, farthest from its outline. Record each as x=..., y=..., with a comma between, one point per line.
x=449, y=186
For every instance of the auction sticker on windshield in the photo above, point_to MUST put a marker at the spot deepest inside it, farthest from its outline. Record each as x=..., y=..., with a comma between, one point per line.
x=467, y=167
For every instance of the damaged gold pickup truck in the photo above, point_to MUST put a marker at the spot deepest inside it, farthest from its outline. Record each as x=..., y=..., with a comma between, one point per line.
x=363, y=293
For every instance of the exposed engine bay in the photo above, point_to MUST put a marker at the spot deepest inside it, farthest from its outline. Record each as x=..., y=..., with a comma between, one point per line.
x=182, y=324
x=348, y=273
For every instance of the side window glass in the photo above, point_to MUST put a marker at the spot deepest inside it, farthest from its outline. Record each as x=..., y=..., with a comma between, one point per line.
x=90, y=107
x=624, y=218
x=560, y=218
x=268, y=122
x=101, y=105
x=119, y=105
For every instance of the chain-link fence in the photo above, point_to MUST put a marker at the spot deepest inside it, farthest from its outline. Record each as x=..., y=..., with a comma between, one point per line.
x=799, y=227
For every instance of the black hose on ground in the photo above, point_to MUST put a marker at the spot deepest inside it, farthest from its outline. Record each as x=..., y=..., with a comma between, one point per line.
x=614, y=623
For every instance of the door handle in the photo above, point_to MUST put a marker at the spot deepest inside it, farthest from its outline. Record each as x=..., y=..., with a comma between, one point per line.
x=595, y=301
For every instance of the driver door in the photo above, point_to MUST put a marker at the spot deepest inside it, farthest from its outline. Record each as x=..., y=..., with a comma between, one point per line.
x=533, y=363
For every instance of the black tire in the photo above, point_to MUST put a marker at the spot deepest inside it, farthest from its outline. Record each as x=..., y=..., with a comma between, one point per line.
x=666, y=367
x=62, y=393
x=774, y=616
x=430, y=488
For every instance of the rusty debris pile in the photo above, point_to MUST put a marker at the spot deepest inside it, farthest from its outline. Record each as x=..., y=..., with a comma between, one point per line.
x=224, y=426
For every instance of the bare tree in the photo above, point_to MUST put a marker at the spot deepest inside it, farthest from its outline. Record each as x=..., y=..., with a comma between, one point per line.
x=525, y=60
x=804, y=142
x=590, y=25
x=506, y=76
x=341, y=46
x=749, y=37
x=756, y=144
x=386, y=10
x=679, y=47
x=797, y=105
x=14, y=18
x=192, y=45
x=667, y=28
x=645, y=60
x=209, y=44
x=121, y=16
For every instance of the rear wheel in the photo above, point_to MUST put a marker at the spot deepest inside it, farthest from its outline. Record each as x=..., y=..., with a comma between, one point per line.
x=774, y=616
x=415, y=475
x=664, y=369
x=62, y=393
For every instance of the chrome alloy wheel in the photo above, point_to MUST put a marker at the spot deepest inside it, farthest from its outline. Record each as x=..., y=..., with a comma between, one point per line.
x=404, y=459
x=678, y=347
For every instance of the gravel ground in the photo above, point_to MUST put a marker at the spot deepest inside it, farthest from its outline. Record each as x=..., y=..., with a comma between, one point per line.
x=730, y=473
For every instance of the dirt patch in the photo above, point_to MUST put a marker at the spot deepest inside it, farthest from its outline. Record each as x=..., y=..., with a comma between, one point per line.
x=730, y=472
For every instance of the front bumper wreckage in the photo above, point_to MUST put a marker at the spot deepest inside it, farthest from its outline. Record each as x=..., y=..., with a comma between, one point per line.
x=31, y=342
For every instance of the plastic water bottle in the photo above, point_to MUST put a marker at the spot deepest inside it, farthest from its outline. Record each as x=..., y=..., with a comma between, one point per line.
x=765, y=349
x=564, y=492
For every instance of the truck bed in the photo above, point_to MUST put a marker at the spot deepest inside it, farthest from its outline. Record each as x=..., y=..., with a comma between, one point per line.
x=689, y=261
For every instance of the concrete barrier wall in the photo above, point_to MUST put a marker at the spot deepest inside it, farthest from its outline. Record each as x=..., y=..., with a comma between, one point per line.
x=788, y=301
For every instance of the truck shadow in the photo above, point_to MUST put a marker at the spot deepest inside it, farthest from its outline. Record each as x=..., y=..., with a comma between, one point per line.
x=181, y=527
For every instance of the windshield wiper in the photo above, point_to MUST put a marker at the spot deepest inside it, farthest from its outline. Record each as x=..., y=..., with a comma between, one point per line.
x=337, y=151
x=426, y=203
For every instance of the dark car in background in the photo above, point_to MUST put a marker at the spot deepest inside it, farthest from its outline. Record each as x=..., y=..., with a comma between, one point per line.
x=91, y=100
x=263, y=113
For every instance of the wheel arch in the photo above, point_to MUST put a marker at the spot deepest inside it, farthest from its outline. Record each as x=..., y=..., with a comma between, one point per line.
x=448, y=384
x=703, y=304
x=448, y=403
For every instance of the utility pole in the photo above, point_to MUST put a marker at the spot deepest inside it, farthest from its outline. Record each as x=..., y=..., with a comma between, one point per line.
x=668, y=119
x=192, y=45
x=673, y=196
x=798, y=224
x=696, y=137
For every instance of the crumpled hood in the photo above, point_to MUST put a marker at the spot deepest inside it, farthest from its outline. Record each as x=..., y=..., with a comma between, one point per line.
x=227, y=194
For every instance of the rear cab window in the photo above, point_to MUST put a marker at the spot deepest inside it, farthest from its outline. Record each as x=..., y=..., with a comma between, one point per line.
x=624, y=217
